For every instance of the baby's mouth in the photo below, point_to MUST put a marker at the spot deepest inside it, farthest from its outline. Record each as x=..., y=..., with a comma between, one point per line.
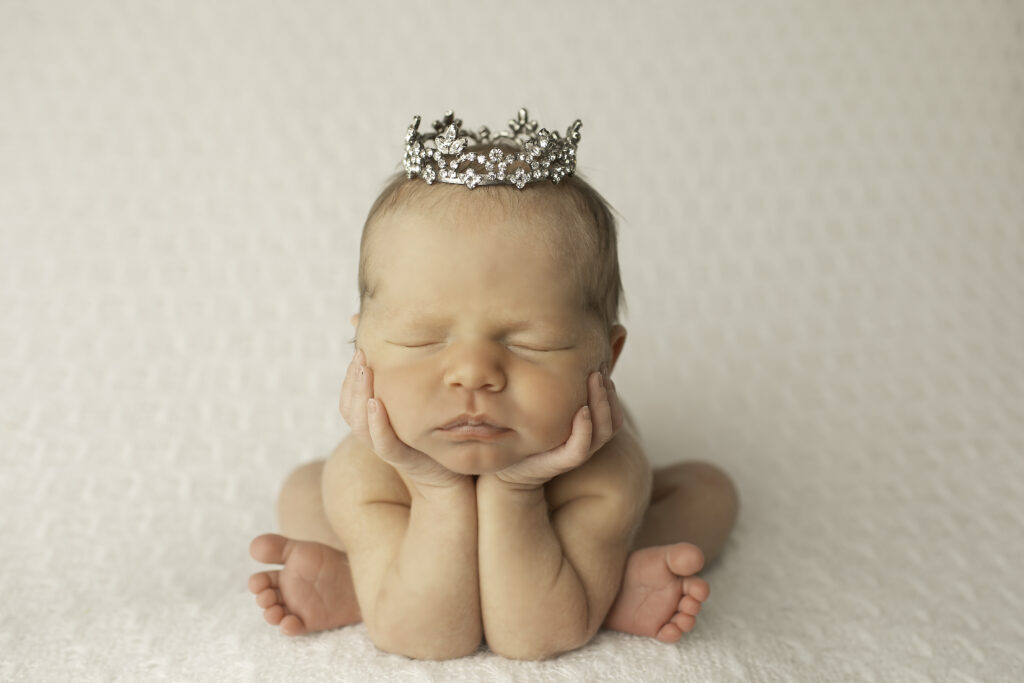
x=481, y=431
x=465, y=420
x=473, y=427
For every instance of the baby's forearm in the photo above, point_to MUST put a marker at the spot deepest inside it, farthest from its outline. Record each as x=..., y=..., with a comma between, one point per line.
x=532, y=601
x=428, y=602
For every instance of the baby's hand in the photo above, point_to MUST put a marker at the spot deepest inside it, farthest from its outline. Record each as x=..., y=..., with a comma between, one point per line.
x=369, y=422
x=592, y=427
x=355, y=390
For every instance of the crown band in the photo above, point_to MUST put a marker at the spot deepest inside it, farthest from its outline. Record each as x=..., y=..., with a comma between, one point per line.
x=535, y=154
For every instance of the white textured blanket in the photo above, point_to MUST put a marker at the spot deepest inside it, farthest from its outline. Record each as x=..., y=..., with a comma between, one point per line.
x=823, y=253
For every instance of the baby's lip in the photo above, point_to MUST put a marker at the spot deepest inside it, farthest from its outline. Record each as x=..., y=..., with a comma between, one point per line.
x=467, y=420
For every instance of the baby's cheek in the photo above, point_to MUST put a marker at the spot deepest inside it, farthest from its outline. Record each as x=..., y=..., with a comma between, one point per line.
x=552, y=410
x=392, y=390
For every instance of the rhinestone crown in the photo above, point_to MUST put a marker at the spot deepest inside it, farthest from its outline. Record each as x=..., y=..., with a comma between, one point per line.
x=535, y=155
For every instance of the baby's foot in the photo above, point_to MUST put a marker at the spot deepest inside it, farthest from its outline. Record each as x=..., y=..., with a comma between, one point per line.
x=660, y=596
x=313, y=592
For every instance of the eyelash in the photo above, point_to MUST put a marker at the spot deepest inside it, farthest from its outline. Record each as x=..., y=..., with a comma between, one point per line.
x=527, y=348
x=510, y=346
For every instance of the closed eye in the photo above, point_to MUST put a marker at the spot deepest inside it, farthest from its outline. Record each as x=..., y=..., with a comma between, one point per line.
x=516, y=347
x=417, y=345
x=537, y=349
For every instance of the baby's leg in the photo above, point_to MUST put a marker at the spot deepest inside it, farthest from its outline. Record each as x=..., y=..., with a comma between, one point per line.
x=691, y=501
x=300, y=507
x=313, y=591
x=693, y=508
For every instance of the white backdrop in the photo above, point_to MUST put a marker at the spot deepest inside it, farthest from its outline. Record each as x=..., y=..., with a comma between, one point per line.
x=822, y=247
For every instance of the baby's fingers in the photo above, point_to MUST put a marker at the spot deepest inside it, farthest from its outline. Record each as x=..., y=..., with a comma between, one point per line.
x=618, y=414
x=360, y=390
x=577, y=447
x=382, y=437
x=601, y=411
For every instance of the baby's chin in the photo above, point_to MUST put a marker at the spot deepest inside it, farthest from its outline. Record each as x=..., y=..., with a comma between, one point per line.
x=476, y=457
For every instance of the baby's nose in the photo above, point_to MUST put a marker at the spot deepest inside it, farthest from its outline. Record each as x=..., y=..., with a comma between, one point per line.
x=475, y=366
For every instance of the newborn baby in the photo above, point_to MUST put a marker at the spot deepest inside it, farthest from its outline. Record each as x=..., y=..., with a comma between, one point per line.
x=493, y=488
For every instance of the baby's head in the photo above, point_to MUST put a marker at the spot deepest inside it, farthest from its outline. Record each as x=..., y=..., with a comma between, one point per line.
x=490, y=304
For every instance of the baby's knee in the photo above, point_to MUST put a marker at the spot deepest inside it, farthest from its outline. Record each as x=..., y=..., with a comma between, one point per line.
x=301, y=489
x=711, y=481
x=304, y=477
x=707, y=472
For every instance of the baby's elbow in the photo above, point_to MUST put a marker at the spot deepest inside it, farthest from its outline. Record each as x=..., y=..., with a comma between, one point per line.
x=437, y=643
x=433, y=648
x=528, y=654
x=541, y=646
x=457, y=648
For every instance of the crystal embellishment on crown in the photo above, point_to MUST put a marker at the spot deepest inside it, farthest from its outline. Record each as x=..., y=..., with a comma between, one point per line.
x=534, y=154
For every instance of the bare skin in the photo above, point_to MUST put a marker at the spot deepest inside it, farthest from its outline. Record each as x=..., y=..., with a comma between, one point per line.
x=660, y=596
x=485, y=425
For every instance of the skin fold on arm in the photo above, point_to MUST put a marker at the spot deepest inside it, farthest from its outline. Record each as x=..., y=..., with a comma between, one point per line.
x=552, y=556
x=415, y=600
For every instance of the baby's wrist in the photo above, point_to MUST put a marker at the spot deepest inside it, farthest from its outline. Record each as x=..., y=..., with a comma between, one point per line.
x=525, y=490
x=460, y=485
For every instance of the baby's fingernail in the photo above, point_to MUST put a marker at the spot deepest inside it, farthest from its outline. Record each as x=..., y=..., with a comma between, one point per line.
x=600, y=380
x=371, y=405
x=586, y=412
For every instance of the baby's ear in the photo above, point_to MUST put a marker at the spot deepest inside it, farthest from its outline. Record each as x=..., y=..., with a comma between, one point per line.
x=354, y=320
x=616, y=339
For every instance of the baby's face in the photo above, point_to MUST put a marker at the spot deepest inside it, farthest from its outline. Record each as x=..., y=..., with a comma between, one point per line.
x=472, y=320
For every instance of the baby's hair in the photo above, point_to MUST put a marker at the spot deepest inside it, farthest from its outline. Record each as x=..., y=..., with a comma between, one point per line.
x=589, y=243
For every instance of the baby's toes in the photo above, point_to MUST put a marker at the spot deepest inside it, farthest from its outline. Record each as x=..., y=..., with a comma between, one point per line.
x=262, y=581
x=291, y=625
x=697, y=588
x=684, y=559
x=274, y=614
x=689, y=605
x=669, y=633
x=685, y=622
x=269, y=548
x=268, y=598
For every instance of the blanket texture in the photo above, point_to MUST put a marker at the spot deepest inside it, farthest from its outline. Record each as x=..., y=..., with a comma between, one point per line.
x=822, y=244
